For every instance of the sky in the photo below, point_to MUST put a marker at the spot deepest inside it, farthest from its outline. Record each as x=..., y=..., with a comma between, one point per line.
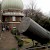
x=43, y=5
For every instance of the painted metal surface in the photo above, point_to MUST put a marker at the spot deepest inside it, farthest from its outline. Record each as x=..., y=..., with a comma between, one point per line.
x=31, y=29
x=14, y=4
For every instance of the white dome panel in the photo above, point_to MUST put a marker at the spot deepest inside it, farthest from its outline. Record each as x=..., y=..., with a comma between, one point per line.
x=14, y=4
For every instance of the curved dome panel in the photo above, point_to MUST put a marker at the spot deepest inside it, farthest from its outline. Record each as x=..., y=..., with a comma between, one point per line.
x=14, y=4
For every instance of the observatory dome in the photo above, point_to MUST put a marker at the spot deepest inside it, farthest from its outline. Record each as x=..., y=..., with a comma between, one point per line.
x=12, y=4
